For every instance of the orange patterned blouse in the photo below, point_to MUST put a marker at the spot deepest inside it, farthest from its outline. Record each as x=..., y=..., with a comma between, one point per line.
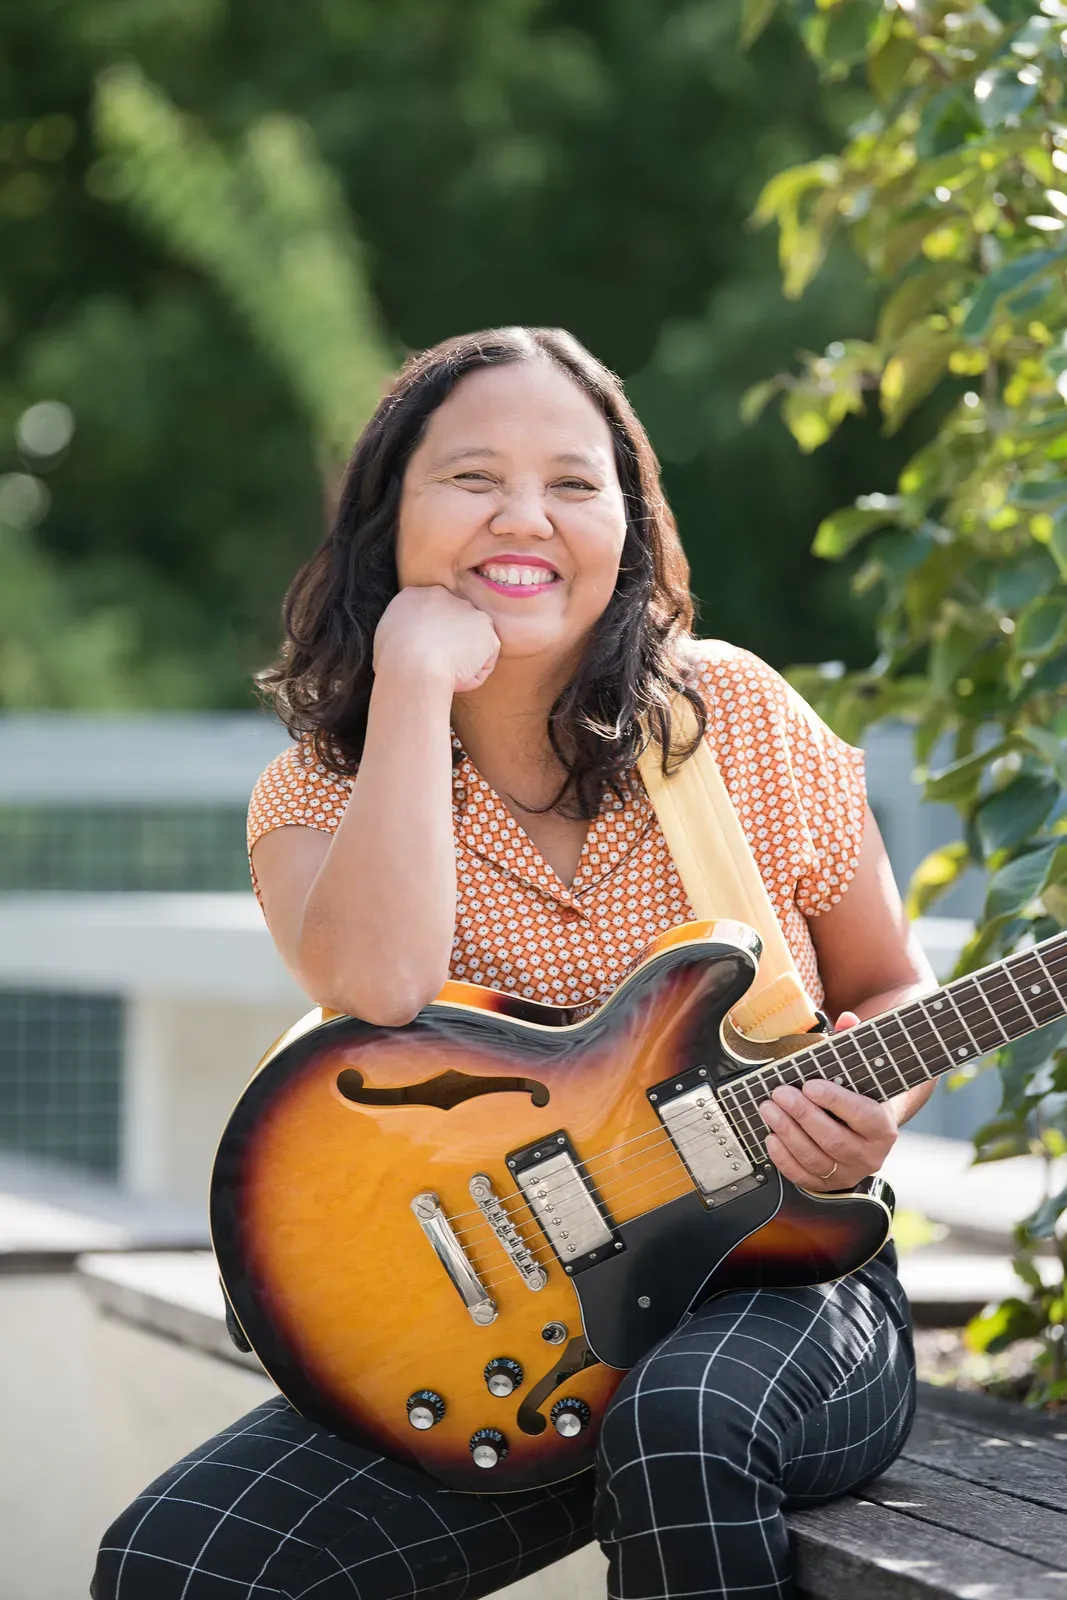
x=797, y=788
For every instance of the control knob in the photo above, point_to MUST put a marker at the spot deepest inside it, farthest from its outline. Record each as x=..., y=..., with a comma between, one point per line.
x=488, y=1447
x=425, y=1409
x=502, y=1376
x=569, y=1416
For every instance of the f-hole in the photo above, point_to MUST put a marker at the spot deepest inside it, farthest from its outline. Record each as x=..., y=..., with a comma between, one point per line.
x=448, y=1089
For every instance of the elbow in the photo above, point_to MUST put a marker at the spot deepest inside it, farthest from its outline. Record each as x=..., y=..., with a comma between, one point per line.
x=385, y=1010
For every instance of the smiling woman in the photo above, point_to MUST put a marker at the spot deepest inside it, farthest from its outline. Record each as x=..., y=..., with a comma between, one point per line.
x=473, y=662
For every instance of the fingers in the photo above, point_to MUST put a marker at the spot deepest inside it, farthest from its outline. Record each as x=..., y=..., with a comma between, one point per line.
x=824, y=1125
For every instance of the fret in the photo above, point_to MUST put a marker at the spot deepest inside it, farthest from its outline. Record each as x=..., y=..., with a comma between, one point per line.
x=972, y=1047
x=1046, y=967
x=1002, y=996
x=888, y=1088
x=1040, y=999
x=924, y=1039
x=982, y=1024
x=891, y=1026
x=1031, y=1020
x=835, y=1043
x=947, y=1029
x=930, y=1037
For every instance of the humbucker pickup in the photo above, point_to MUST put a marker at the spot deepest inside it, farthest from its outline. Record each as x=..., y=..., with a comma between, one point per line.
x=702, y=1134
x=564, y=1201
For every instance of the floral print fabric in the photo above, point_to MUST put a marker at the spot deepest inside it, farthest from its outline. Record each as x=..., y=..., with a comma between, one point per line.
x=798, y=790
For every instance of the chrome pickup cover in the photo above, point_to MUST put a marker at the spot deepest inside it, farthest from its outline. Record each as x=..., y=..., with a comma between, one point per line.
x=485, y=1198
x=565, y=1208
x=704, y=1139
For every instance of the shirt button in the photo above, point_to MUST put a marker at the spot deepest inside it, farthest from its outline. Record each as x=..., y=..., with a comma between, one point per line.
x=568, y=914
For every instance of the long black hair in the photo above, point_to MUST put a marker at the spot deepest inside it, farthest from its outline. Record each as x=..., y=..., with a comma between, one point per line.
x=635, y=660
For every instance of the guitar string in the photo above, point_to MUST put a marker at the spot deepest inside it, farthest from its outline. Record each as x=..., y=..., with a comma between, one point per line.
x=753, y=1131
x=543, y=1250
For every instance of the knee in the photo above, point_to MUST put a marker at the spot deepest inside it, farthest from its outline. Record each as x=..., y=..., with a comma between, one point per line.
x=704, y=1424
x=114, y=1546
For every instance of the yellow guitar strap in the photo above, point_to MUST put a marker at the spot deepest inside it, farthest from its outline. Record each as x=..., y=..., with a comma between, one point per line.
x=721, y=878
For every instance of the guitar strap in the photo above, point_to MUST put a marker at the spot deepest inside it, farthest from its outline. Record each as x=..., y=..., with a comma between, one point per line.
x=721, y=878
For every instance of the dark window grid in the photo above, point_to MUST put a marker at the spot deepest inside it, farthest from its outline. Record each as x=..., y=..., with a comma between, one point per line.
x=122, y=847
x=61, y=1077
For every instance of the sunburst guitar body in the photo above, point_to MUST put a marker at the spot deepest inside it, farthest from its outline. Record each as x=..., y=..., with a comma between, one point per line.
x=450, y=1240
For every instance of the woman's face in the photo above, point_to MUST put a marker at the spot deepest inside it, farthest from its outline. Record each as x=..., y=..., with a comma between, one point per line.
x=512, y=501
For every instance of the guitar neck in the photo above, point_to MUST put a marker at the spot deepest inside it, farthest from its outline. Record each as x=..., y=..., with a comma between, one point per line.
x=920, y=1040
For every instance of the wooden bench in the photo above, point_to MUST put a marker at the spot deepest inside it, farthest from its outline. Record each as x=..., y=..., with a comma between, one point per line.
x=975, y=1509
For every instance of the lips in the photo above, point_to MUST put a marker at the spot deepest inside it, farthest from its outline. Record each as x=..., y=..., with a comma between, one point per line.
x=514, y=573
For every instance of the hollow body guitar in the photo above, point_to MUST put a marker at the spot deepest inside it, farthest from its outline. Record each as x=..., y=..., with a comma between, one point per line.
x=450, y=1240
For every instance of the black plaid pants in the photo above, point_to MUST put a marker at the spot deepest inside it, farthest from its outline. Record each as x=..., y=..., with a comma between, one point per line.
x=761, y=1401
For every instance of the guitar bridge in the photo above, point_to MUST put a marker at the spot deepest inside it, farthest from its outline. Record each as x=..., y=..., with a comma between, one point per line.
x=565, y=1203
x=508, y=1236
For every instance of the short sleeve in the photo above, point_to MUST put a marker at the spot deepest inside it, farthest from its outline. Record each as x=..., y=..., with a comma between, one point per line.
x=296, y=790
x=798, y=788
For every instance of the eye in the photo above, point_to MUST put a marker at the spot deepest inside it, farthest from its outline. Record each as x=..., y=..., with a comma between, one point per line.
x=576, y=484
x=474, y=478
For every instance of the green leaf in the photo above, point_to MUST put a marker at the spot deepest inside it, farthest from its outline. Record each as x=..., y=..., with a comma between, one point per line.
x=917, y=364
x=1050, y=747
x=1051, y=675
x=1022, y=580
x=1041, y=1224
x=1021, y=881
x=807, y=421
x=1024, y=1268
x=959, y=781
x=755, y=400
x=1015, y=812
x=1012, y=275
x=1041, y=627
x=935, y=875
x=1005, y=100
x=1021, y=1060
x=842, y=529
x=918, y=293
x=995, y=1330
x=1039, y=492
x=755, y=15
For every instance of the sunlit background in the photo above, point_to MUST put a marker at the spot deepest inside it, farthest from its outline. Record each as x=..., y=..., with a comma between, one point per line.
x=223, y=224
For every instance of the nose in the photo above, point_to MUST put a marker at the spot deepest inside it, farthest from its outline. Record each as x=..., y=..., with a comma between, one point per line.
x=522, y=512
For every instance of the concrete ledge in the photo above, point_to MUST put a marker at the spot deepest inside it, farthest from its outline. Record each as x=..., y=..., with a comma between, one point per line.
x=49, y=1216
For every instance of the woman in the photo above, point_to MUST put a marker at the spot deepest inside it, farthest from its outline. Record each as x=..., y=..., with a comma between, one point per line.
x=499, y=610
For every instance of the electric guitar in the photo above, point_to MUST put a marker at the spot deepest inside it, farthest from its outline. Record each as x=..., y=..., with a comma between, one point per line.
x=450, y=1240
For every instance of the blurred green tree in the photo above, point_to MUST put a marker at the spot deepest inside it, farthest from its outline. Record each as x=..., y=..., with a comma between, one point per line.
x=953, y=191
x=504, y=160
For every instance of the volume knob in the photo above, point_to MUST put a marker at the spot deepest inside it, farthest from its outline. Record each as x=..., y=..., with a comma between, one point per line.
x=569, y=1417
x=488, y=1447
x=503, y=1376
x=425, y=1409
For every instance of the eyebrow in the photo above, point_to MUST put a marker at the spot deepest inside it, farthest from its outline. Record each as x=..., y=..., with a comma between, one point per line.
x=567, y=458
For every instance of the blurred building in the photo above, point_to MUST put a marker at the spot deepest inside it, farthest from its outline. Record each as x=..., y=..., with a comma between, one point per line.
x=138, y=983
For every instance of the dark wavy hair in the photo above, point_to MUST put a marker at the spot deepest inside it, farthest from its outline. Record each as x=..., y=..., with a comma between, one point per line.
x=636, y=657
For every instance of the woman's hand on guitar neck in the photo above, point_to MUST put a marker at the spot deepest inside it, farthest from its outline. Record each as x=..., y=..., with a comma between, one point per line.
x=826, y=1137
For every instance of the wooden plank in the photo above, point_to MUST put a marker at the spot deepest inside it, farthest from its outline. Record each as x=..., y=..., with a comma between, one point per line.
x=983, y=1514
x=855, y=1547
x=1016, y=1467
x=983, y=1413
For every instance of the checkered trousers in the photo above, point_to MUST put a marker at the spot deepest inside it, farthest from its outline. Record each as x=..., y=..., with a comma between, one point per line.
x=760, y=1401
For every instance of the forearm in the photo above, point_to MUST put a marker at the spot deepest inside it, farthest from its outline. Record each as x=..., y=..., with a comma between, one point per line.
x=379, y=919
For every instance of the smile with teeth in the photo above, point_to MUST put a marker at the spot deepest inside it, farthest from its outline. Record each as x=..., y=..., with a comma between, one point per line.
x=514, y=577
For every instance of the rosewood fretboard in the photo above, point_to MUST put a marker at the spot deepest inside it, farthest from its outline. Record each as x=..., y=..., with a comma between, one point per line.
x=919, y=1041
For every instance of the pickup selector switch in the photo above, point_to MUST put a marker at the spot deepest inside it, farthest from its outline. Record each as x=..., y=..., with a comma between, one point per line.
x=503, y=1376
x=488, y=1447
x=425, y=1409
x=569, y=1416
